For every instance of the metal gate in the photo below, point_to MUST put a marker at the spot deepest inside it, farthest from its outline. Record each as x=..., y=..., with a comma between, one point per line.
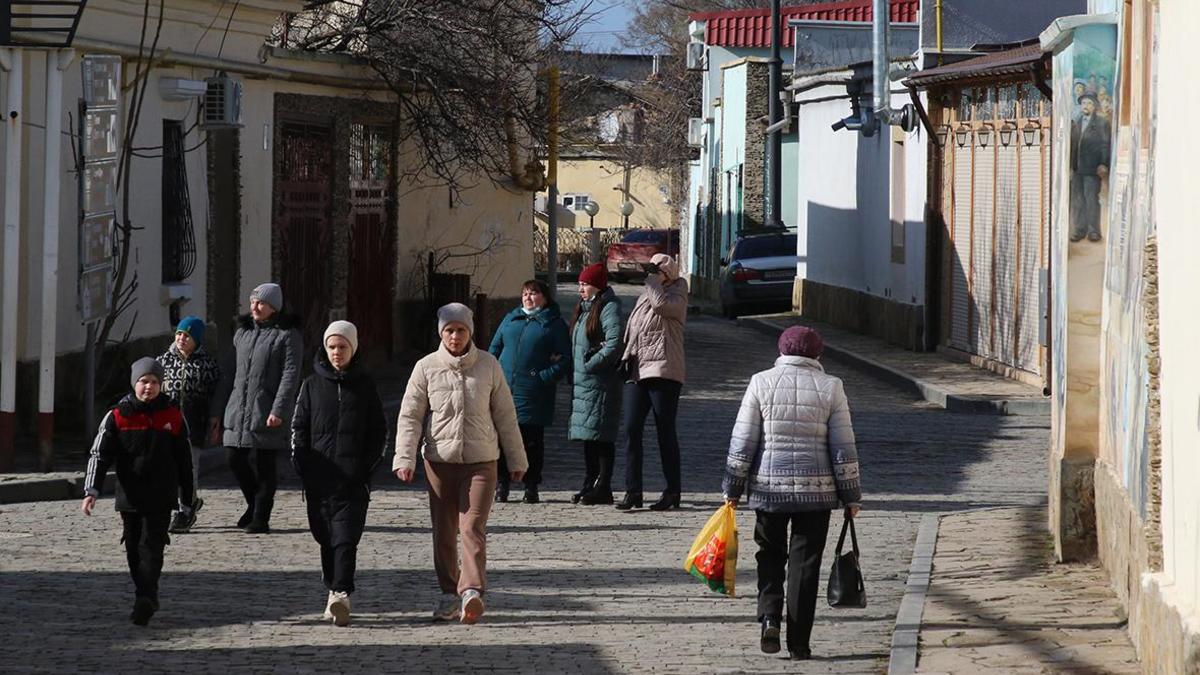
x=372, y=248
x=995, y=200
x=303, y=222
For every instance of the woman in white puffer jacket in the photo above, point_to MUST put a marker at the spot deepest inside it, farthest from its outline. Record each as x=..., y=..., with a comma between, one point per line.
x=792, y=455
x=459, y=411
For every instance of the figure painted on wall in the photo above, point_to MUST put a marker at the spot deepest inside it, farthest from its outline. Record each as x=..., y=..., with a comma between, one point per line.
x=1079, y=90
x=1106, y=107
x=1091, y=136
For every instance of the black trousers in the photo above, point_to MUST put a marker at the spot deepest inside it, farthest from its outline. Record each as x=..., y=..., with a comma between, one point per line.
x=258, y=482
x=798, y=561
x=337, y=526
x=534, y=438
x=598, y=460
x=662, y=397
x=145, y=537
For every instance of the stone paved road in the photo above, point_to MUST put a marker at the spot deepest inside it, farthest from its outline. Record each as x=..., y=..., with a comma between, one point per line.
x=573, y=589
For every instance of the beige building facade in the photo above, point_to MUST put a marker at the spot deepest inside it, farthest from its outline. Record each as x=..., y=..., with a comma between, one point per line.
x=305, y=189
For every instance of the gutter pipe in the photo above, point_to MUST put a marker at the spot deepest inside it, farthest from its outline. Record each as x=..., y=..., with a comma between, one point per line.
x=12, y=62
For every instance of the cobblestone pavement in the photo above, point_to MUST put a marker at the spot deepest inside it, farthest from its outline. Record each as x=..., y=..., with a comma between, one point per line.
x=572, y=589
x=998, y=604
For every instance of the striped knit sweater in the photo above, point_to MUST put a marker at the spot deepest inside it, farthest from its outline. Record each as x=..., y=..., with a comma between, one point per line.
x=792, y=448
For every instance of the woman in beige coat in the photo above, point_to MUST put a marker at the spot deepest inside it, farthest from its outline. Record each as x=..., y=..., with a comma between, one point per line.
x=471, y=419
x=653, y=359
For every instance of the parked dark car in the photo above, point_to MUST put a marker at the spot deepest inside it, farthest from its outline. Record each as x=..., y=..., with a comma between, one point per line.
x=759, y=274
x=627, y=257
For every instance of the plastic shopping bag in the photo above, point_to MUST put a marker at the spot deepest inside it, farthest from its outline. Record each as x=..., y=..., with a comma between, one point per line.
x=713, y=556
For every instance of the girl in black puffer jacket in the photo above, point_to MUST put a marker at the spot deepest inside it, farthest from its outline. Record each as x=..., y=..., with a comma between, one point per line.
x=338, y=437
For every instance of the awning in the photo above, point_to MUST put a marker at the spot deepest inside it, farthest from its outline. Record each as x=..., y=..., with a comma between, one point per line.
x=1025, y=60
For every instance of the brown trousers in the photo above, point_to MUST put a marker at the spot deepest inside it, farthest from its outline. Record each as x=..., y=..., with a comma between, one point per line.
x=460, y=499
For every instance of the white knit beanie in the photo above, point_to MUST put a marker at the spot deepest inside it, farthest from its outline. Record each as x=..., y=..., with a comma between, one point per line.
x=456, y=312
x=343, y=329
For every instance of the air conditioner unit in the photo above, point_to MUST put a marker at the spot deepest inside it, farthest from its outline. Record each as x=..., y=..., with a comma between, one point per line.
x=222, y=103
x=695, y=132
x=695, y=56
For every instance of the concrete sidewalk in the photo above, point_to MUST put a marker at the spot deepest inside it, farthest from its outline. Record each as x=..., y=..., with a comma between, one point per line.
x=996, y=602
x=953, y=385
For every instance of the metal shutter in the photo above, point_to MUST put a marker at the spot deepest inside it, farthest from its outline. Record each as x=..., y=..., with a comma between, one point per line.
x=1005, y=258
x=981, y=251
x=1033, y=233
x=960, y=307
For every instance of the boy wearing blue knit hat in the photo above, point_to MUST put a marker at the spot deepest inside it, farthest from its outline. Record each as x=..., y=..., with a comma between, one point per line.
x=191, y=377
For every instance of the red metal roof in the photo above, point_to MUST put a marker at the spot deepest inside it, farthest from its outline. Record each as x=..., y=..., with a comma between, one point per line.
x=752, y=27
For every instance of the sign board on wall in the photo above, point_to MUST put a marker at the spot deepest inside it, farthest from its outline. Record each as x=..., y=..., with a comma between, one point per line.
x=99, y=128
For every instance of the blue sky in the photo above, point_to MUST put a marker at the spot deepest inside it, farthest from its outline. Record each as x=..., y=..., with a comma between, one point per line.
x=603, y=33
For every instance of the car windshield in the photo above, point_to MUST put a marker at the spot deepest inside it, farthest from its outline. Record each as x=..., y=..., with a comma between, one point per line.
x=765, y=247
x=643, y=237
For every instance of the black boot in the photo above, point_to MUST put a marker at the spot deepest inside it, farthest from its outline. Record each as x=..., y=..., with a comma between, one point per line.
x=261, y=523
x=598, y=495
x=668, y=501
x=502, y=492
x=143, y=609
x=578, y=496
x=247, y=516
x=531, y=495
x=769, y=640
x=632, y=500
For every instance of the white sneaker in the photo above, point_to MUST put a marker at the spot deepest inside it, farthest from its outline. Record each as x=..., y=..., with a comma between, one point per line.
x=339, y=607
x=472, y=606
x=447, y=608
x=328, y=615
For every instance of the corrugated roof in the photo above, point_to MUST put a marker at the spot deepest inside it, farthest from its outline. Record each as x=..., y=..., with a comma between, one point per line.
x=752, y=27
x=1010, y=62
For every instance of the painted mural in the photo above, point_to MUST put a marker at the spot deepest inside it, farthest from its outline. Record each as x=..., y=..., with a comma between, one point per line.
x=1094, y=68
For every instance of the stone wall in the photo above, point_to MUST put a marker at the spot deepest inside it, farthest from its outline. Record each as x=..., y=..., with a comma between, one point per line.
x=1160, y=632
x=754, y=169
x=898, y=323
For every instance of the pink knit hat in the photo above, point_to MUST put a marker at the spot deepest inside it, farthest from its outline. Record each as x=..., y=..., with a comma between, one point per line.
x=801, y=341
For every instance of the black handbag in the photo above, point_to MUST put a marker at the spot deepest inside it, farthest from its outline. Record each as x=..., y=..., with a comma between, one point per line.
x=845, y=577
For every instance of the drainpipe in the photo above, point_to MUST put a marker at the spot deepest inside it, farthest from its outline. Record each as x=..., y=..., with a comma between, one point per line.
x=56, y=63
x=774, y=114
x=552, y=183
x=11, y=62
x=883, y=103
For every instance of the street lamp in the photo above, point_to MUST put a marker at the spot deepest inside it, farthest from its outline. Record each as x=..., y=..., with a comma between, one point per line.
x=591, y=208
x=626, y=211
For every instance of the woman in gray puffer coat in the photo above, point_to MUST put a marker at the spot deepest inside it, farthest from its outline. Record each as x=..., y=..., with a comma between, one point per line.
x=262, y=398
x=792, y=454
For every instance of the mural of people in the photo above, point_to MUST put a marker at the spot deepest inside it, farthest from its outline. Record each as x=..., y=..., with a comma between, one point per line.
x=1091, y=136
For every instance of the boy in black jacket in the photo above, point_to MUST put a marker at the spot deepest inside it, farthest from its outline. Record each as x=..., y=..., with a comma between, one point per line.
x=146, y=437
x=338, y=438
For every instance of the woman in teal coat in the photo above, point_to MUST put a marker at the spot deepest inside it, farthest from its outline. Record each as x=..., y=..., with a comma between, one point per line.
x=596, y=401
x=534, y=349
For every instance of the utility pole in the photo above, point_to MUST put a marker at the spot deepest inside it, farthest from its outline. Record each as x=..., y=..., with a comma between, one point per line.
x=774, y=217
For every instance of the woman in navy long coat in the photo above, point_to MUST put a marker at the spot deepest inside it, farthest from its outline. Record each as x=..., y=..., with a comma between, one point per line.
x=534, y=349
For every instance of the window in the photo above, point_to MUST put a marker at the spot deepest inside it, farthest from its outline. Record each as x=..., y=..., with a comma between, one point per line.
x=575, y=202
x=178, y=233
x=765, y=247
x=645, y=237
x=897, y=196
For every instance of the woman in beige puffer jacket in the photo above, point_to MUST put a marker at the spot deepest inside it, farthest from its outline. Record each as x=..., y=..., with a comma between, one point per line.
x=653, y=360
x=459, y=410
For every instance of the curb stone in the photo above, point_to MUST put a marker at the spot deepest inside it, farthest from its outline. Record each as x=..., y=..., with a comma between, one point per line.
x=906, y=635
x=926, y=390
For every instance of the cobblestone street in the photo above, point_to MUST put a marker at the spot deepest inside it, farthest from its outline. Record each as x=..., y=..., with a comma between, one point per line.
x=572, y=588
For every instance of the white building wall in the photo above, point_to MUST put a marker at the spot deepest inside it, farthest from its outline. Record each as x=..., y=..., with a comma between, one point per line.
x=1179, y=329
x=844, y=203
